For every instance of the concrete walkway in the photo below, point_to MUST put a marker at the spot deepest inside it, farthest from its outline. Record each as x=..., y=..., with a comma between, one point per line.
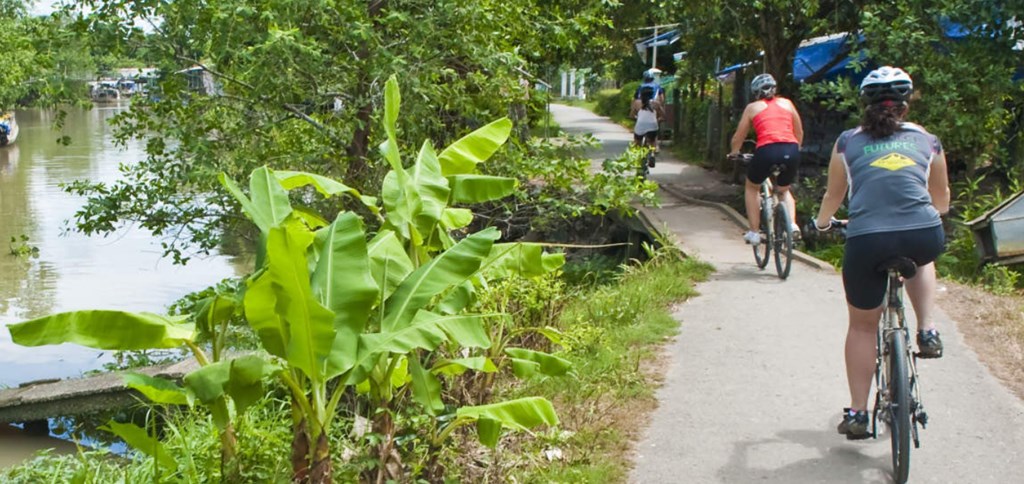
x=756, y=381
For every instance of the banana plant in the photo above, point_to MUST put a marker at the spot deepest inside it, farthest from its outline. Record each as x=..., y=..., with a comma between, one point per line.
x=333, y=308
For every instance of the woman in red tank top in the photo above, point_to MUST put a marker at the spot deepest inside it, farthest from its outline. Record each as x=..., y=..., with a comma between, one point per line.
x=779, y=134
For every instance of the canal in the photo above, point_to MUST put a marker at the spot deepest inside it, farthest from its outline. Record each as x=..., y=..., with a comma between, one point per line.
x=72, y=271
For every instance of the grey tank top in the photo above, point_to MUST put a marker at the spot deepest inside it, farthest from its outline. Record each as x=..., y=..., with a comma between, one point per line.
x=888, y=180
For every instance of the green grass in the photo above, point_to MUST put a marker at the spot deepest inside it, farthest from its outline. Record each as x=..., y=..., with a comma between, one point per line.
x=612, y=325
x=589, y=104
x=546, y=127
x=614, y=333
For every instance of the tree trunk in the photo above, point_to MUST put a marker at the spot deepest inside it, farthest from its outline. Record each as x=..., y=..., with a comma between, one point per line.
x=779, y=47
x=230, y=467
x=322, y=469
x=359, y=147
x=300, y=448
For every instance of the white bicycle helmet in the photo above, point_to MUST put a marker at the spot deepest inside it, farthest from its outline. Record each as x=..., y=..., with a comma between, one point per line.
x=763, y=86
x=886, y=83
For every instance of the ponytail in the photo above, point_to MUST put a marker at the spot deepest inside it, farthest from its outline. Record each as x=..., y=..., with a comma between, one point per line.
x=882, y=119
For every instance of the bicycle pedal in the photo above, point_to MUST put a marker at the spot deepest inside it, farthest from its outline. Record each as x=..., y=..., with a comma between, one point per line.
x=863, y=436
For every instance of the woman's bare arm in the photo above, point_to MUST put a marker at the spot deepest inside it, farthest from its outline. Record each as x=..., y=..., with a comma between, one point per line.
x=938, y=183
x=741, y=130
x=835, y=190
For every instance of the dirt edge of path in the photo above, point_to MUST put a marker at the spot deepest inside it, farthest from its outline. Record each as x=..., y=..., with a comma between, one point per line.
x=993, y=326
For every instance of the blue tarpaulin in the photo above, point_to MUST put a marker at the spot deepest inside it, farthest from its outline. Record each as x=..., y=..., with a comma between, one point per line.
x=815, y=54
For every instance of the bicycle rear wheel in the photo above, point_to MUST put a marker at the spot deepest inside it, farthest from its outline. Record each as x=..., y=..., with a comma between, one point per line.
x=899, y=406
x=783, y=241
x=763, y=250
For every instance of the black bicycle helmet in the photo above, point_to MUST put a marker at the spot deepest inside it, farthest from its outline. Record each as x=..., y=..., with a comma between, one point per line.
x=886, y=83
x=763, y=86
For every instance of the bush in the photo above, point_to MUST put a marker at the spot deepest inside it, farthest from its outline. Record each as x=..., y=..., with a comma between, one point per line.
x=607, y=101
x=615, y=103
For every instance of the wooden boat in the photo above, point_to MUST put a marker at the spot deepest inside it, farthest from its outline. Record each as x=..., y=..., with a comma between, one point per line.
x=8, y=128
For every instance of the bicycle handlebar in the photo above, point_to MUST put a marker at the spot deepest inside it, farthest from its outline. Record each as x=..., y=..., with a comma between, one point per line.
x=833, y=223
x=740, y=156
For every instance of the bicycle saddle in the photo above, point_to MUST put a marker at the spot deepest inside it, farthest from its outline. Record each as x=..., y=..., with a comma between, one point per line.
x=905, y=266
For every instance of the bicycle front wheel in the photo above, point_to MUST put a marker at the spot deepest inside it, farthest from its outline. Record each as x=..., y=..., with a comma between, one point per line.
x=763, y=250
x=783, y=240
x=899, y=406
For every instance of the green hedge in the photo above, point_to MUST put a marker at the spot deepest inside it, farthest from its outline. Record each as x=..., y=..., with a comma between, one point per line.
x=614, y=103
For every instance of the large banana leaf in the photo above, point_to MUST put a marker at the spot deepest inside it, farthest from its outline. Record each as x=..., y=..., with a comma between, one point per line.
x=327, y=187
x=462, y=156
x=389, y=263
x=157, y=390
x=241, y=379
x=459, y=366
x=526, y=363
x=426, y=331
x=426, y=388
x=450, y=268
x=521, y=414
x=105, y=330
x=140, y=440
x=269, y=198
x=342, y=282
x=428, y=190
x=457, y=299
x=398, y=212
x=520, y=258
x=260, y=305
x=212, y=310
x=480, y=188
x=392, y=103
x=306, y=327
x=456, y=218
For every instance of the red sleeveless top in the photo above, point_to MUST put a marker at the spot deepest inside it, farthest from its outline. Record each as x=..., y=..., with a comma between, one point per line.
x=774, y=124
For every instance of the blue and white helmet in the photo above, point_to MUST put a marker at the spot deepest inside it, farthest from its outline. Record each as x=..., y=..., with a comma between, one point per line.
x=886, y=83
x=763, y=86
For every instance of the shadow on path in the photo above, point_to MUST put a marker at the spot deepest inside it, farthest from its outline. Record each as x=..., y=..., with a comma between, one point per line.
x=831, y=460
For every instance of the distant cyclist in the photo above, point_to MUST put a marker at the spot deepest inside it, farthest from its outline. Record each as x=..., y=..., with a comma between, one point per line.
x=648, y=113
x=779, y=134
x=651, y=82
x=895, y=172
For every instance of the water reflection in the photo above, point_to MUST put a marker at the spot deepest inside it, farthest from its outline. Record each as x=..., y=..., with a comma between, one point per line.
x=72, y=271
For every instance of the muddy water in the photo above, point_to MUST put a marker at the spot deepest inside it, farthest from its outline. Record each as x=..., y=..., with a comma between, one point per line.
x=72, y=271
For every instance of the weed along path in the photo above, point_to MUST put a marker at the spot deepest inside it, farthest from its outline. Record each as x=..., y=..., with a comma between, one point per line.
x=755, y=380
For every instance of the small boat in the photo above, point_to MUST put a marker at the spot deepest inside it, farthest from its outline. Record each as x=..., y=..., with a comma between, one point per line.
x=8, y=128
x=104, y=92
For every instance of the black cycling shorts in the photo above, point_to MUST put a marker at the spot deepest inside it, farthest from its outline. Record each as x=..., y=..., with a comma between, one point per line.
x=765, y=157
x=865, y=284
x=651, y=137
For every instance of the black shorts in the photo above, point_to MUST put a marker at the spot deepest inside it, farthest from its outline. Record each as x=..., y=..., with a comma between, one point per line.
x=765, y=157
x=865, y=284
x=651, y=136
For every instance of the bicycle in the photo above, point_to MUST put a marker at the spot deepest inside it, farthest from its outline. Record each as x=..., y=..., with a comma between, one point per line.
x=776, y=223
x=897, y=386
x=649, y=144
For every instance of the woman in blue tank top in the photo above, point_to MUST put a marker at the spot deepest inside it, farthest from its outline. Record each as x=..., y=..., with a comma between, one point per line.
x=895, y=174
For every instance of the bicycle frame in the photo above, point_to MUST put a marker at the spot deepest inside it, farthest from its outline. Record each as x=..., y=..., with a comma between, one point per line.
x=894, y=320
x=897, y=387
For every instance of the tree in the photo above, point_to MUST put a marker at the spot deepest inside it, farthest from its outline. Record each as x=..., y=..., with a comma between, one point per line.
x=739, y=31
x=963, y=59
x=299, y=84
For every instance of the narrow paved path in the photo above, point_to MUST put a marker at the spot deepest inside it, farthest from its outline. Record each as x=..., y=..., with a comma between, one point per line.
x=755, y=380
